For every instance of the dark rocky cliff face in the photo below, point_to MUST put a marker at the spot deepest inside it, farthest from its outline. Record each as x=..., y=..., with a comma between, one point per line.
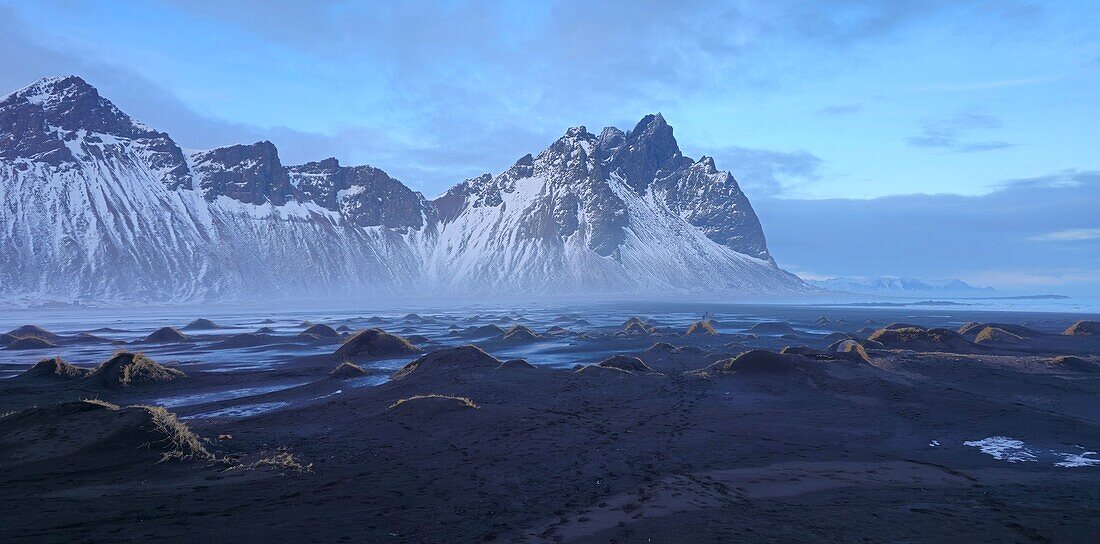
x=49, y=121
x=251, y=174
x=364, y=195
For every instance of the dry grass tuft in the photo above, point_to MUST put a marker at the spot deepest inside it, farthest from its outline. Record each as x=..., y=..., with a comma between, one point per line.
x=103, y=403
x=464, y=400
x=179, y=442
x=280, y=459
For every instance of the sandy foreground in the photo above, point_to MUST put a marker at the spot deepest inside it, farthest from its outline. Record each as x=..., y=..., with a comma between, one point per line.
x=911, y=436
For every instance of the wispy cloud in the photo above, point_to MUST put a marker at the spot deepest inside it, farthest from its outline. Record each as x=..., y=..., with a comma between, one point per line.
x=1067, y=235
x=841, y=109
x=948, y=133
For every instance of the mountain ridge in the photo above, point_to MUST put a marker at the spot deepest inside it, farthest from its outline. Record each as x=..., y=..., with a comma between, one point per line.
x=622, y=212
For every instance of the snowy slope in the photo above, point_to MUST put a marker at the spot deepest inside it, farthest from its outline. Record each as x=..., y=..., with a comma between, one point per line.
x=97, y=206
x=571, y=221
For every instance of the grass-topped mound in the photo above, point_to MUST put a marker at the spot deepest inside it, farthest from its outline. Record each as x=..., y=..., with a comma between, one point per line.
x=1074, y=364
x=125, y=370
x=850, y=348
x=520, y=333
x=347, y=371
x=446, y=360
x=701, y=328
x=755, y=362
x=625, y=362
x=96, y=434
x=1083, y=328
x=920, y=339
x=637, y=325
x=973, y=329
x=52, y=370
x=34, y=331
x=375, y=343
x=996, y=335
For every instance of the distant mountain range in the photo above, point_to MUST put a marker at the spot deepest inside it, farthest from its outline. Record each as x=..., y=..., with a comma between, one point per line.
x=95, y=206
x=888, y=285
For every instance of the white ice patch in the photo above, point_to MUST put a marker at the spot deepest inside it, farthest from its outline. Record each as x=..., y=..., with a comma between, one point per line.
x=1004, y=449
x=1012, y=450
x=1073, y=460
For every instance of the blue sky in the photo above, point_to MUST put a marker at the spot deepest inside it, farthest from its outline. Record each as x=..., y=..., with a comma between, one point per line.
x=829, y=109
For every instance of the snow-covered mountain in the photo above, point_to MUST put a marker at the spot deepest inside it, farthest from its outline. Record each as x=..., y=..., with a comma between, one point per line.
x=97, y=206
x=893, y=285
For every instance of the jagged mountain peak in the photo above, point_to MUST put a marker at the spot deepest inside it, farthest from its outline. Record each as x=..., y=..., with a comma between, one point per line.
x=53, y=89
x=646, y=153
x=63, y=121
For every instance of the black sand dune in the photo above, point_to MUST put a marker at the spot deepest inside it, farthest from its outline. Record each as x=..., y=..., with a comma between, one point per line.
x=321, y=331
x=997, y=335
x=1074, y=364
x=202, y=325
x=625, y=362
x=921, y=339
x=96, y=434
x=637, y=325
x=517, y=364
x=29, y=343
x=431, y=406
x=445, y=361
x=375, y=343
x=772, y=328
x=52, y=370
x=348, y=370
x=418, y=339
x=520, y=333
x=756, y=363
x=125, y=370
x=34, y=331
x=166, y=335
x=1083, y=328
x=972, y=329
